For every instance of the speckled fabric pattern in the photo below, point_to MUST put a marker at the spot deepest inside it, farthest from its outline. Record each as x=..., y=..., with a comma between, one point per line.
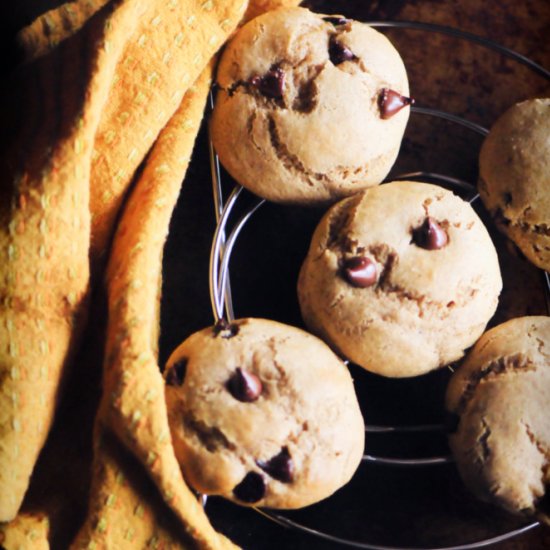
x=514, y=177
x=401, y=278
x=108, y=87
x=310, y=108
x=263, y=414
x=501, y=395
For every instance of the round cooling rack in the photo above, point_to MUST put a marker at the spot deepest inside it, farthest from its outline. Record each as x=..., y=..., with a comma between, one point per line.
x=402, y=472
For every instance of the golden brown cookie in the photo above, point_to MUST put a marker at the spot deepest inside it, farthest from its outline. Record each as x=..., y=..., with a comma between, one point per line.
x=263, y=414
x=310, y=108
x=400, y=279
x=514, y=177
x=501, y=395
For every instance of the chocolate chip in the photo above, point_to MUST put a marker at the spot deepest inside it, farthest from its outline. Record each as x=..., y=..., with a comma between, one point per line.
x=225, y=329
x=251, y=488
x=279, y=467
x=391, y=102
x=244, y=386
x=176, y=373
x=430, y=235
x=360, y=271
x=336, y=20
x=338, y=53
x=270, y=84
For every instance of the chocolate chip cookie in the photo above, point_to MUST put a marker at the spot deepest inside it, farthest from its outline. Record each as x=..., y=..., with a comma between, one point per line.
x=400, y=278
x=501, y=395
x=310, y=108
x=514, y=179
x=263, y=414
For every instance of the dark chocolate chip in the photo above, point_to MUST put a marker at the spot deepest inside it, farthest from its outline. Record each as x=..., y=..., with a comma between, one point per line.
x=338, y=53
x=225, y=329
x=271, y=84
x=244, y=386
x=176, y=373
x=430, y=235
x=360, y=271
x=251, y=488
x=391, y=102
x=279, y=467
x=336, y=20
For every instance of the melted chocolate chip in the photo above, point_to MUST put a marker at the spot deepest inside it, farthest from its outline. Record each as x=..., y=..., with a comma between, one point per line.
x=271, y=84
x=430, y=235
x=360, y=271
x=176, y=373
x=338, y=53
x=391, y=102
x=251, y=488
x=336, y=20
x=244, y=386
x=279, y=467
x=225, y=329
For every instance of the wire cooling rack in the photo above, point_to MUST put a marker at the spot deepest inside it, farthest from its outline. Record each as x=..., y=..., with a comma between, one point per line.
x=240, y=204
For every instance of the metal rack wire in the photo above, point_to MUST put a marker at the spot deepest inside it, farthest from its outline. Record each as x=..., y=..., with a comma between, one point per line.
x=227, y=233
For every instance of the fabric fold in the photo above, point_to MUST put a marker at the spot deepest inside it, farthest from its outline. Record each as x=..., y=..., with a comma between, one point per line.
x=102, y=119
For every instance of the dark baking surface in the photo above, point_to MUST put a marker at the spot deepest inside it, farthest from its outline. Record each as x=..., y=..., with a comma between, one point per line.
x=425, y=506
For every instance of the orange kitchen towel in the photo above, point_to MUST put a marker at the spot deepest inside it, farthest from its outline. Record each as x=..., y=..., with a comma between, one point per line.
x=82, y=116
x=102, y=88
x=160, y=58
x=133, y=409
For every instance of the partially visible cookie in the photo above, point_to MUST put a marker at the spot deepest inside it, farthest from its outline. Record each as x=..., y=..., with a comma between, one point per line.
x=310, y=108
x=514, y=180
x=501, y=395
x=263, y=414
x=400, y=279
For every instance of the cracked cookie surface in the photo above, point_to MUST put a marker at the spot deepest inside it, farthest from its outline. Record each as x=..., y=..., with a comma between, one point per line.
x=435, y=285
x=263, y=414
x=501, y=395
x=514, y=177
x=310, y=108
